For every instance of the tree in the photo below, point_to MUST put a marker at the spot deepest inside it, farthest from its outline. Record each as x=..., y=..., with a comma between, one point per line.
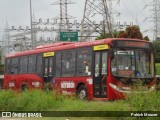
x=122, y=34
x=107, y=35
x=1, y=65
x=102, y=36
x=134, y=32
x=156, y=51
x=146, y=38
x=129, y=32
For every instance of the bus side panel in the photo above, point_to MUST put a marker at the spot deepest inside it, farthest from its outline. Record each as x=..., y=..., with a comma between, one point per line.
x=15, y=82
x=68, y=85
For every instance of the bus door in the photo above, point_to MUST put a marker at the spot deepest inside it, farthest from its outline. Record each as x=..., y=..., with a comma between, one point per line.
x=100, y=74
x=48, y=67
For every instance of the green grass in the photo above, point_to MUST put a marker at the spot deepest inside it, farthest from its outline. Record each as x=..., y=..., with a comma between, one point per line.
x=41, y=101
x=48, y=101
x=158, y=68
x=144, y=101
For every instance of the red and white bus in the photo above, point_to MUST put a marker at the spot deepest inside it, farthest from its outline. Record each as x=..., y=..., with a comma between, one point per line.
x=104, y=69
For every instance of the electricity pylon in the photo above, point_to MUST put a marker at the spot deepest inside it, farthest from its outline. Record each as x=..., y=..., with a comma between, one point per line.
x=93, y=10
x=64, y=17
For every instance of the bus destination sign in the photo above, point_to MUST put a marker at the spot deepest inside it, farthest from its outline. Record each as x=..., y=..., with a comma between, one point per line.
x=131, y=43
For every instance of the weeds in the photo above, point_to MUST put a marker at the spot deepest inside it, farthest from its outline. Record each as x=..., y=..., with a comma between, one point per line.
x=144, y=101
x=158, y=68
x=28, y=101
x=38, y=100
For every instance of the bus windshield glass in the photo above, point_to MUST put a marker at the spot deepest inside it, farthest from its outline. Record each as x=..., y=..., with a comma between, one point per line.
x=132, y=63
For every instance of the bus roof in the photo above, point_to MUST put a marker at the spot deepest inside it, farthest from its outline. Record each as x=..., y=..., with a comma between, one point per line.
x=66, y=45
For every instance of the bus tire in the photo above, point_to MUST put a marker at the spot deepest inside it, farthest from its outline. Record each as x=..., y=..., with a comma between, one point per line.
x=81, y=92
x=24, y=87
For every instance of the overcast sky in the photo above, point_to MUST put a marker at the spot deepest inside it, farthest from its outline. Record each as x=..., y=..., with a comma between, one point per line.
x=17, y=12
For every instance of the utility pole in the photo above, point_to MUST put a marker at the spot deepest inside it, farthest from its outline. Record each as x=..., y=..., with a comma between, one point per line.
x=5, y=41
x=32, y=41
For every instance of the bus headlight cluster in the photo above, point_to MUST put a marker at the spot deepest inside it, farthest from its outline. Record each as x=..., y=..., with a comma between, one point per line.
x=115, y=87
x=123, y=89
x=126, y=88
x=152, y=88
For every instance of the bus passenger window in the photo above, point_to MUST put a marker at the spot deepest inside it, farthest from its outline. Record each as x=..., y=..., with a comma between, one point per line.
x=68, y=63
x=39, y=64
x=8, y=65
x=14, y=66
x=23, y=65
x=58, y=65
x=84, y=60
x=32, y=64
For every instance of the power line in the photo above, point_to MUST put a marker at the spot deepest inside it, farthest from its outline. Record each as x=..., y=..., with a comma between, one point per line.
x=128, y=10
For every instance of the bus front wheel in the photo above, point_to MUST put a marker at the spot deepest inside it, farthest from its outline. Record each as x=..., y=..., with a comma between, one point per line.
x=82, y=92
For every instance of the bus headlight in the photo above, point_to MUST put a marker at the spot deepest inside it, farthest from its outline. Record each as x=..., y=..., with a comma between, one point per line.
x=152, y=88
x=128, y=89
x=115, y=87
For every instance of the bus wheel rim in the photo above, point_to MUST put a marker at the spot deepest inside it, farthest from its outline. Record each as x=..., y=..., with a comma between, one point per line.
x=82, y=94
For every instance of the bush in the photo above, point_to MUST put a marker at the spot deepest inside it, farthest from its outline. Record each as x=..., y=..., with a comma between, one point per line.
x=144, y=101
x=7, y=100
x=35, y=100
x=156, y=50
x=158, y=68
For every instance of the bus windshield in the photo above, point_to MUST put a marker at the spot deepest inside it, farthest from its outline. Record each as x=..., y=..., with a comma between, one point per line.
x=132, y=63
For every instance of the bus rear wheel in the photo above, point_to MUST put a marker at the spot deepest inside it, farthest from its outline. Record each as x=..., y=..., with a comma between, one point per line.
x=82, y=93
x=24, y=88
